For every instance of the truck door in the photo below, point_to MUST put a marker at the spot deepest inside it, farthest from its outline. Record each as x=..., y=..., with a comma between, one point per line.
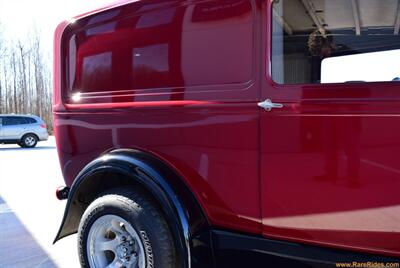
x=330, y=124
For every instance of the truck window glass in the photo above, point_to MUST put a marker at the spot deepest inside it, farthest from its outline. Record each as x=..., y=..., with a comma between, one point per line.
x=334, y=41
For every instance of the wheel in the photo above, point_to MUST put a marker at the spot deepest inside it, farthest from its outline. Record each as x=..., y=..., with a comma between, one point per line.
x=29, y=141
x=125, y=229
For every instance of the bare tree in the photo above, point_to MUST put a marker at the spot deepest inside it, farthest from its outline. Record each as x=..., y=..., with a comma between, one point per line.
x=23, y=70
x=15, y=77
x=25, y=77
x=2, y=52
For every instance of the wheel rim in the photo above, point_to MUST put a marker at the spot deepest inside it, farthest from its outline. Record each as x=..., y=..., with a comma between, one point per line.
x=30, y=141
x=114, y=243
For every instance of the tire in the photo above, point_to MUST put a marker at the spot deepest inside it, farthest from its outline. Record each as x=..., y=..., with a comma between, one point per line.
x=125, y=226
x=20, y=144
x=29, y=141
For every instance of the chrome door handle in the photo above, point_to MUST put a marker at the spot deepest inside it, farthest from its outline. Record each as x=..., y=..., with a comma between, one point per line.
x=268, y=105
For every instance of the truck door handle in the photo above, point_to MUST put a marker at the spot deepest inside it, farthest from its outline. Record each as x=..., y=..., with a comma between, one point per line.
x=268, y=105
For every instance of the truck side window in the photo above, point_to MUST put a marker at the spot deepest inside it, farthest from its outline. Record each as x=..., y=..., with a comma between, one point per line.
x=333, y=41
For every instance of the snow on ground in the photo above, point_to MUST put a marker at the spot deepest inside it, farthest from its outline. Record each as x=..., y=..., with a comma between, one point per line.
x=30, y=214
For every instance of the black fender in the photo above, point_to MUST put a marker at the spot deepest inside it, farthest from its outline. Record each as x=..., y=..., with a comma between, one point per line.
x=138, y=169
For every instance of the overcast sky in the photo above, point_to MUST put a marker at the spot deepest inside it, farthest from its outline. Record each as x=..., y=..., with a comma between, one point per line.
x=18, y=17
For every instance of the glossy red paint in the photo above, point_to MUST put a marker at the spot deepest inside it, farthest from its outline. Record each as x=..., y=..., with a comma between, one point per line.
x=159, y=76
x=192, y=102
x=329, y=163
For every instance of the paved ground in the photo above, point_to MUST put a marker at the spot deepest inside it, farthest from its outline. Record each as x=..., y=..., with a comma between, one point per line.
x=30, y=214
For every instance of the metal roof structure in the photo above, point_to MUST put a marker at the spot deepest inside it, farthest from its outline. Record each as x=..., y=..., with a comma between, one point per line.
x=328, y=15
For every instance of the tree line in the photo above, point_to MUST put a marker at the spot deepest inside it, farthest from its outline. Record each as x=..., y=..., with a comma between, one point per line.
x=25, y=77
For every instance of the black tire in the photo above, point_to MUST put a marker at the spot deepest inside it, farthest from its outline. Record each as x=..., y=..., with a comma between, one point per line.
x=20, y=144
x=29, y=141
x=143, y=215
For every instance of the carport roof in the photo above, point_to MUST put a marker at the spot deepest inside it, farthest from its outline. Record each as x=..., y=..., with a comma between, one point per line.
x=305, y=15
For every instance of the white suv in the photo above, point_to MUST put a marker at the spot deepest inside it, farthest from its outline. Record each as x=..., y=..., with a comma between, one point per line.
x=24, y=130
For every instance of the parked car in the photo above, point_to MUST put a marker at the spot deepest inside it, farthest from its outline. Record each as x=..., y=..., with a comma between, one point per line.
x=216, y=133
x=24, y=130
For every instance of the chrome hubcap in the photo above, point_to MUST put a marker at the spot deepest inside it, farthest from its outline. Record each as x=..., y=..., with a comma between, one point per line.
x=114, y=243
x=29, y=141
